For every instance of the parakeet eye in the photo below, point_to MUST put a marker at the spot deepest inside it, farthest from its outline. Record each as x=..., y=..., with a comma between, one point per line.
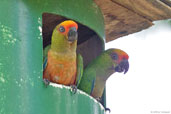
x=114, y=56
x=61, y=29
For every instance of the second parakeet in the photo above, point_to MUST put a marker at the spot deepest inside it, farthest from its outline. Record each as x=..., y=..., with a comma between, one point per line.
x=100, y=69
x=61, y=63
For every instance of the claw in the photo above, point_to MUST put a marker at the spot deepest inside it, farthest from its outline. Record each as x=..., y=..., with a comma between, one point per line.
x=98, y=99
x=107, y=109
x=73, y=89
x=46, y=82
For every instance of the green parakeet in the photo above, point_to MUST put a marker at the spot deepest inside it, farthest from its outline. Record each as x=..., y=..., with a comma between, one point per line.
x=61, y=63
x=100, y=69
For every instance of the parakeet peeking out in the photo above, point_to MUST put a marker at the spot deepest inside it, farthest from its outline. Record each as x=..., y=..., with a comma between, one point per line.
x=61, y=63
x=101, y=68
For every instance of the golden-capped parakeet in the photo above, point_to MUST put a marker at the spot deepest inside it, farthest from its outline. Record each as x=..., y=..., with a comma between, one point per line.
x=61, y=63
x=100, y=69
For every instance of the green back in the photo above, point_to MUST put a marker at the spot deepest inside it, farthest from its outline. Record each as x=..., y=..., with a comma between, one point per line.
x=99, y=67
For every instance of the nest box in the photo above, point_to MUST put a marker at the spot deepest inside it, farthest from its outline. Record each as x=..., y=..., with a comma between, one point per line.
x=25, y=28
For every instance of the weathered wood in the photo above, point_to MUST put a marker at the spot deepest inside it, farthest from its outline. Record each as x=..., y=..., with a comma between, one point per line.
x=150, y=9
x=123, y=17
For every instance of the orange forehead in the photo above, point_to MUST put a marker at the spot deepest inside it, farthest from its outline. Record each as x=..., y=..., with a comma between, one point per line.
x=69, y=23
x=122, y=54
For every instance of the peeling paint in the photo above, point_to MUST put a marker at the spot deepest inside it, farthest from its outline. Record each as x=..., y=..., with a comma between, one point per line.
x=39, y=21
x=21, y=79
x=7, y=35
x=2, y=79
x=40, y=28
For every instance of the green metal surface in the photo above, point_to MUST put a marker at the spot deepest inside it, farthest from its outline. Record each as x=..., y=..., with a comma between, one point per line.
x=21, y=87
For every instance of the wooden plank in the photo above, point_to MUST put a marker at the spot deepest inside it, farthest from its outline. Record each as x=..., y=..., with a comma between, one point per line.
x=123, y=17
x=150, y=9
x=119, y=21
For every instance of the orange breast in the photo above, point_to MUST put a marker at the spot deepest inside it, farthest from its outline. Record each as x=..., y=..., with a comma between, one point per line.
x=61, y=71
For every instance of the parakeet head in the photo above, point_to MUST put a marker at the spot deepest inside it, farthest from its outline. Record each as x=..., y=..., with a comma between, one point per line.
x=65, y=35
x=68, y=29
x=120, y=59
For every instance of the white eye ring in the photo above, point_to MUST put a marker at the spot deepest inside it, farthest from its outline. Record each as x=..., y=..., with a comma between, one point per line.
x=61, y=29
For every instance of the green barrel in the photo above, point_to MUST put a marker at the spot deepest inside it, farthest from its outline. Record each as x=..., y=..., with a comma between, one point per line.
x=21, y=48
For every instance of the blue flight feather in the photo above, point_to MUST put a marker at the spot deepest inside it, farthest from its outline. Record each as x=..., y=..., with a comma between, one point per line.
x=45, y=64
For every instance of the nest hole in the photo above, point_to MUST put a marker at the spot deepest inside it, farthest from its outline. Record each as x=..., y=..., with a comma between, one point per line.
x=89, y=43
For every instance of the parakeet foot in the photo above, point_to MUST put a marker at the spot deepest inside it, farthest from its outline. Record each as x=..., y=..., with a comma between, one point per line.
x=98, y=99
x=107, y=109
x=46, y=82
x=73, y=88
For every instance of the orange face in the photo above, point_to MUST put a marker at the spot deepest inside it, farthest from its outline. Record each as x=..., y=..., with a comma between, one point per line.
x=120, y=59
x=65, y=26
x=119, y=55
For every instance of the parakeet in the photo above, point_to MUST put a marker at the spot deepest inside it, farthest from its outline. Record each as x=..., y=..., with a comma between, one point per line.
x=61, y=63
x=100, y=69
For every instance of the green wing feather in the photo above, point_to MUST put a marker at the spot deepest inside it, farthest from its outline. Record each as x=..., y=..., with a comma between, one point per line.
x=88, y=80
x=79, y=69
x=45, y=52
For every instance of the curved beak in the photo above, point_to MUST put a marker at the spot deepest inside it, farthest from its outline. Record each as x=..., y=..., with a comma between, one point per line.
x=72, y=34
x=123, y=66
